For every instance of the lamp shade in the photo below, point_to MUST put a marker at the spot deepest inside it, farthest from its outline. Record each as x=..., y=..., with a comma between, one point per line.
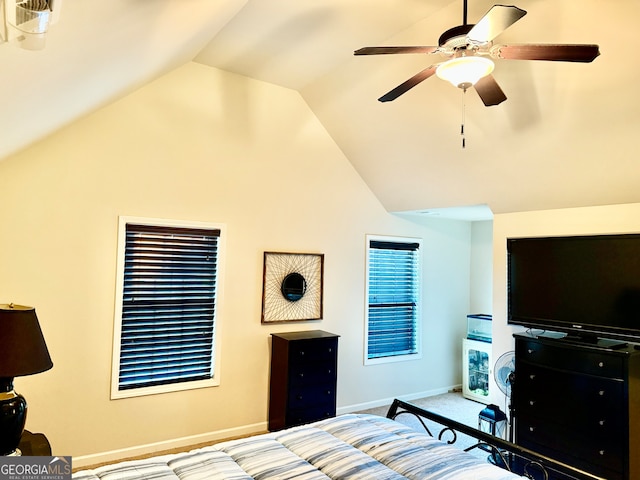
x=23, y=350
x=463, y=72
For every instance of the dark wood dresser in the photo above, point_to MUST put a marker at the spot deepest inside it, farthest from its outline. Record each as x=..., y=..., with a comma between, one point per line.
x=303, y=378
x=579, y=404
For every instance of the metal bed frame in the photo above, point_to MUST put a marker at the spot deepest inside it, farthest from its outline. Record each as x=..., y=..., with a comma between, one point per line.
x=503, y=453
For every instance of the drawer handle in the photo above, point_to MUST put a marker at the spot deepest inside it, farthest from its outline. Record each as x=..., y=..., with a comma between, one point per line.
x=300, y=397
x=532, y=402
x=529, y=351
x=601, y=364
x=532, y=376
x=601, y=452
x=330, y=349
x=301, y=375
x=531, y=429
x=328, y=392
x=601, y=423
x=601, y=393
x=302, y=353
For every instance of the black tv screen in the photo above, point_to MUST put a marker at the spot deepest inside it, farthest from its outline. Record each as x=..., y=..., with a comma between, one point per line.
x=585, y=286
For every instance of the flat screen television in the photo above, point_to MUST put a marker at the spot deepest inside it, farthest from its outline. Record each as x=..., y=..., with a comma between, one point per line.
x=585, y=286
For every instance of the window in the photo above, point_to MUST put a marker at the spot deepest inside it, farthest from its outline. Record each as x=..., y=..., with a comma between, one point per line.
x=393, y=299
x=165, y=335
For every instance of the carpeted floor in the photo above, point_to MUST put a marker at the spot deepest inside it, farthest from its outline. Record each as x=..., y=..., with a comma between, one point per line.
x=451, y=405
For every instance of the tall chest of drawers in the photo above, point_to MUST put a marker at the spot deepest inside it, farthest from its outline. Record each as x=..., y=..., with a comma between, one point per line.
x=579, y=404
x=303, y=378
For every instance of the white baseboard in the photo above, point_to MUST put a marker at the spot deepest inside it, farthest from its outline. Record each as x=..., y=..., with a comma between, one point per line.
x=387, y=401
x=151, y=448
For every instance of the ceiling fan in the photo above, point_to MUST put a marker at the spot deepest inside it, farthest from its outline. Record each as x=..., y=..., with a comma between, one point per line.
x=470, y=48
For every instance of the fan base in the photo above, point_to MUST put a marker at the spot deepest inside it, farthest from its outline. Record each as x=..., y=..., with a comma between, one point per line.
x=455, y=37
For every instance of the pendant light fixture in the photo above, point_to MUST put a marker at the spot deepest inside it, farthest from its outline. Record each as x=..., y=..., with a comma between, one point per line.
x=463, y=72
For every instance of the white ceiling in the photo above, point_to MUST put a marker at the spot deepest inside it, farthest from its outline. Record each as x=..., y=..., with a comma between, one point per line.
x=564, y=138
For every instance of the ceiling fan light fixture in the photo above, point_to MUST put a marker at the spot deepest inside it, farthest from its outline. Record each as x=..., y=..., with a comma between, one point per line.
x=464, y=72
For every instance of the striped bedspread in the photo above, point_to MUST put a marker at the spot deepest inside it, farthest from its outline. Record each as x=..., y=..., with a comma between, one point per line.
x=349, y=447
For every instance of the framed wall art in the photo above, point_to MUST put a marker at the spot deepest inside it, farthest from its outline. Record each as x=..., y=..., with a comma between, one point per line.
x=292, y=287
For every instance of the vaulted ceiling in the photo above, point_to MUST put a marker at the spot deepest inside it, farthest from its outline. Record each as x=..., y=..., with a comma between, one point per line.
x=564, y=138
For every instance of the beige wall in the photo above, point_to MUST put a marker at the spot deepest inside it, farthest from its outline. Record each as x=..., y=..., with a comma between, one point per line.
x=204, y=145
x=572, y=221
x=481, y=267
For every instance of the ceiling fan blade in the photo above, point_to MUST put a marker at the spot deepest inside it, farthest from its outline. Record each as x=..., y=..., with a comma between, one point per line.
x=392, y=50
x=489, y=91
x=557, y=53
x=494, y=22
x=409, y=84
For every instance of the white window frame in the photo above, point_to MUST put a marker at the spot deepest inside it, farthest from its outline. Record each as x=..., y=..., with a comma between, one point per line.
x=214, y=381
x=418, y=322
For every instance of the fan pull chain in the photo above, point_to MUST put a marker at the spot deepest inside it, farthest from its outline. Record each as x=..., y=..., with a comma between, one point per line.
x=462, y=124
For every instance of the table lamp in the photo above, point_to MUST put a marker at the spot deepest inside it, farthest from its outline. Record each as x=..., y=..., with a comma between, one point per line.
x=23, y=351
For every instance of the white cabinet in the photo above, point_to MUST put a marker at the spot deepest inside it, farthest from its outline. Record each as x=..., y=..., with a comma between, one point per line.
x=477, y=367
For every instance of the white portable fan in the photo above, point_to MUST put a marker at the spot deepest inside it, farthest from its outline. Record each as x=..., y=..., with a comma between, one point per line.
x=504, y=373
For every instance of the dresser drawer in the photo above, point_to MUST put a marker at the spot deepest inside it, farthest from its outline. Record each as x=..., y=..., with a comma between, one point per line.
x=588, y=403
x=312, y=373
x=311, y=395
x=299, y=416
x=589, y=361
x=568, y=445
x=313, y=351
x=590, y=429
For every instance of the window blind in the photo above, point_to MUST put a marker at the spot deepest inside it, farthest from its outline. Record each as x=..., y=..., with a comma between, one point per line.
x=393, y=292
x=168, y=305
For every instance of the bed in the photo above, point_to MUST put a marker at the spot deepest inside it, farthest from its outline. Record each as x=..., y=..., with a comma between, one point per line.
x=347, y=447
